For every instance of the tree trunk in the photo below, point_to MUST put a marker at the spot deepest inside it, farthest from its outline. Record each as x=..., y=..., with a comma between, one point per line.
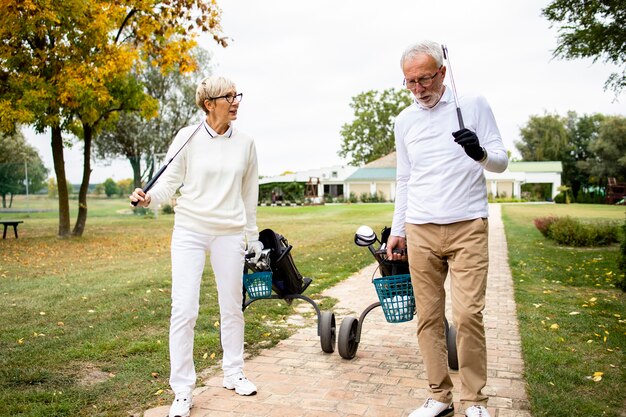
x=59, y=169
x=81, y=220
x=11, y=201
x=4, y=201
x=135, y=162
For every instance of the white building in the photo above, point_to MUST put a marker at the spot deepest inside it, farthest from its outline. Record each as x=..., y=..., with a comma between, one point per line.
x=379, y=178
x=329, y=181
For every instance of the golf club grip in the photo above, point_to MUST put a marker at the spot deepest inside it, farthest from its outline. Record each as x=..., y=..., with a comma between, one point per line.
x=460, y=117
x=150, y=183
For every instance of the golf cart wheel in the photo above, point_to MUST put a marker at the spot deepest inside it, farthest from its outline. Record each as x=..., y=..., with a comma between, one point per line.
x=327, y=331
x=347, y=343
x=453, y=360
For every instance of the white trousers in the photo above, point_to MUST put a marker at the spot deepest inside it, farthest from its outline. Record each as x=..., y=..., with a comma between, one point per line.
x=189, y=250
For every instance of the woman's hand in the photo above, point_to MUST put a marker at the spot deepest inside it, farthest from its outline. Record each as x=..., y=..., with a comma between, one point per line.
x=142, y=199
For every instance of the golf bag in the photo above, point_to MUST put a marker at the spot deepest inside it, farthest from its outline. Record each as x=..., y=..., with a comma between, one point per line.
x=286, y=279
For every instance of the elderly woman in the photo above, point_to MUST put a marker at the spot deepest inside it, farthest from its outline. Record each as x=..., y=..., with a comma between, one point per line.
x=216, y=174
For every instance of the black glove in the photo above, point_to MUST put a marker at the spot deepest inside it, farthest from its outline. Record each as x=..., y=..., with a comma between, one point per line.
x=469, y=141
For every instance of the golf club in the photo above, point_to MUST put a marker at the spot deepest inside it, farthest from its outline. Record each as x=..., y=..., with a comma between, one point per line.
x=446, y=56
x=162, y=169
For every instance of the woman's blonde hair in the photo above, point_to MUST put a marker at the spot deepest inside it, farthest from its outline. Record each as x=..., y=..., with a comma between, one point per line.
x=210, y=87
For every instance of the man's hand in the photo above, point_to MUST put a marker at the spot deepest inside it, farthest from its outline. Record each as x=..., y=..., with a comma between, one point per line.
x=469, y=141
x=393, y=244
x=255, y=247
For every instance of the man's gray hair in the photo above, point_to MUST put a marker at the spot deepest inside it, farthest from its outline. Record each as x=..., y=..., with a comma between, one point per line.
x=424, y=47
x=212, y=86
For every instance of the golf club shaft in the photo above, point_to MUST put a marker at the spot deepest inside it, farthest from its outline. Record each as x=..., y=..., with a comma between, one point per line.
x=459, y=116
x=156, y=176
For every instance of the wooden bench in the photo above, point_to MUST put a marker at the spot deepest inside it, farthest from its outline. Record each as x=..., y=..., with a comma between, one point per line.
x=615, y=191
x=7, y=223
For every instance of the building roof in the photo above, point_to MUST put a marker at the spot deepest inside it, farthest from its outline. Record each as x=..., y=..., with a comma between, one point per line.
x=536, y=166
x=373, y=174
x=384, y=169
x=387, y=161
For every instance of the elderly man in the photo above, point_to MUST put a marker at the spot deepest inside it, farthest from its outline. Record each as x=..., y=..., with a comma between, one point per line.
x=440, y=218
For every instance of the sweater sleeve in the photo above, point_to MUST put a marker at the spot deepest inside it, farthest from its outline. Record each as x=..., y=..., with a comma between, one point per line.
x=403, y=171
x=250, y=194
x=497, y=159
x=174, y=175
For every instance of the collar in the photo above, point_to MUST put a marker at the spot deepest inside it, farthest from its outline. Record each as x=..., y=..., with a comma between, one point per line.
x=213, y=134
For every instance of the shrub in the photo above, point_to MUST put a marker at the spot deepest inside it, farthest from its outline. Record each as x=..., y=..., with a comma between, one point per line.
x=167, y=209
x=572, y=232
x=559, y=198
x=143, y=211
x=543, y=224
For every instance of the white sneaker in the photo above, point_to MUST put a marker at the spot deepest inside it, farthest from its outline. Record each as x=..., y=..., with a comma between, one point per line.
x=240, y=384
x=432, y=408
x=477, y=411
x=181, y=405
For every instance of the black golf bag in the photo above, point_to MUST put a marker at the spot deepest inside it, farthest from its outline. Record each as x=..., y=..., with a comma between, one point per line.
x=286, y=279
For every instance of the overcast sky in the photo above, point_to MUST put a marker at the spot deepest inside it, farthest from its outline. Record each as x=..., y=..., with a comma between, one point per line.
x=300, y=63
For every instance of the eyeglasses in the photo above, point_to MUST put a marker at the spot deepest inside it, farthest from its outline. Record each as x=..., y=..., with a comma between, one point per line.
x=230, y=98
x=424, y=81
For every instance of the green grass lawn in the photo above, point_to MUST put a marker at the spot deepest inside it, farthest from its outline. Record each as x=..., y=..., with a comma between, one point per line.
x=84, y=322
x=572, y=318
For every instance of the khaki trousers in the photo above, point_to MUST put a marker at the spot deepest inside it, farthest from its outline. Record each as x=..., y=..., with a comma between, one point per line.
x=462, y=249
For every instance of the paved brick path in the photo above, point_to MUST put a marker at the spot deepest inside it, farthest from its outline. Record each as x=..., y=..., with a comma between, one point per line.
x=387, y=377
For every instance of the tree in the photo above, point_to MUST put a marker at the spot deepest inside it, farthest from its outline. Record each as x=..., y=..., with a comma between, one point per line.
x=591, y=147
x=110, y=187
x=592, y=29
x=139, y=138
x=125, y=187
x=65, y=61
x=610, y=148
x=581, y=131
x=370, y=135
x=19, y=162
x=544, y=138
